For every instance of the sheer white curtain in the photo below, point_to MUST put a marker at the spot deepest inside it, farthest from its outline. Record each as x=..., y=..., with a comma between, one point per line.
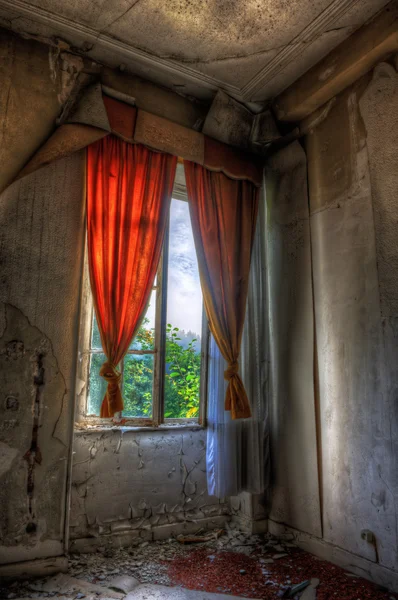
x=237, y=457
x=223, y=453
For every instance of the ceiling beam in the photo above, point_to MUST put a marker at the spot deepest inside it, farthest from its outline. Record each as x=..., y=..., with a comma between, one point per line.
x=345, y=64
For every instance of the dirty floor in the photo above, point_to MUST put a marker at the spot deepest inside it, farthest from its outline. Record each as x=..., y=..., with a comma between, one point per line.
x=259, y=567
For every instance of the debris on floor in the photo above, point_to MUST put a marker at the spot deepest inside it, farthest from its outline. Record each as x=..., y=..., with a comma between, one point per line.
x=123, y=584
x=292, y=591
x=69, y=586
x=148, y=591
x=200, y=539
x=231, y=565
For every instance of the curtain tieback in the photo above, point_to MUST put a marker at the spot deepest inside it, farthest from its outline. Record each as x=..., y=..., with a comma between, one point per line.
x=232, y=370
x=113, y=377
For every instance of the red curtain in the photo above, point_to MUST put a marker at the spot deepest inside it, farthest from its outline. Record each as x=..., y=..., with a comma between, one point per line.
x=128, y=197
x=223, y=214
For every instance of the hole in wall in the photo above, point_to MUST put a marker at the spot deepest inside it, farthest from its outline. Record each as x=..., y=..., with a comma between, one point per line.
x=31, y=528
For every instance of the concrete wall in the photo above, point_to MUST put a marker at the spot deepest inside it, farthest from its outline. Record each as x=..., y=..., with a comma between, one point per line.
x=294, y=485
x=130, y=485
x=353, y=192
x=41, y=236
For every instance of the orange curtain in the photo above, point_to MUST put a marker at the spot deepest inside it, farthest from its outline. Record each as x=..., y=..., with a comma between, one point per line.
x=128, y=197
x=223, y=214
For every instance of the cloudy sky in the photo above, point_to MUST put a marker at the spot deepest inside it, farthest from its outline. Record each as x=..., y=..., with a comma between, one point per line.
x=184, y=301
x=184, y=306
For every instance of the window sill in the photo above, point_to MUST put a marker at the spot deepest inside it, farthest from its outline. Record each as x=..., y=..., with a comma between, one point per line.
x=86, y=427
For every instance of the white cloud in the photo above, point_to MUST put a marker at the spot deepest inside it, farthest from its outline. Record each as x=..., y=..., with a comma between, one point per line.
x=184, y=306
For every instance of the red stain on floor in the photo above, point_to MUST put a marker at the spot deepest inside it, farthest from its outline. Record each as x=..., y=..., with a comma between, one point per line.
x=241, y=575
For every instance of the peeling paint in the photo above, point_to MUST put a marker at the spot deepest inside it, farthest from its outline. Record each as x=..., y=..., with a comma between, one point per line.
x=7, y=457
x=327, y=73
x=28, y=370
x=151, y=484
x=64, y=71
x=41, y=226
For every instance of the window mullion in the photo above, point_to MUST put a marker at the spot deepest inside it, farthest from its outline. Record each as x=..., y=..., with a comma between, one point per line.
x=161, y=315
x=122, y=372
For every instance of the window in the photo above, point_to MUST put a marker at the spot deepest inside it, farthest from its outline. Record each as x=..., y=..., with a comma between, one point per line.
x=164, y=371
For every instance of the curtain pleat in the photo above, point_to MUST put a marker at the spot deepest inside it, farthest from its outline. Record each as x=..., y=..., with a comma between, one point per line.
x=223, y=215
x=237, y=456
x=128, y=197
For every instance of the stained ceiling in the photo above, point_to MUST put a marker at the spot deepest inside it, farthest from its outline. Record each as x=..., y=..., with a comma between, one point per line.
x=252, y=49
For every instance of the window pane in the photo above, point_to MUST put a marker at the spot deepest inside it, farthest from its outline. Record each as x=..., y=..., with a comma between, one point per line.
x=97, y=385
x=138, y=385
x=145, y=338
x=184, y=318
x=95, y=335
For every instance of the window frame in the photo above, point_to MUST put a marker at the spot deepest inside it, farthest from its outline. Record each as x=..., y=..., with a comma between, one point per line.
x=159, y=352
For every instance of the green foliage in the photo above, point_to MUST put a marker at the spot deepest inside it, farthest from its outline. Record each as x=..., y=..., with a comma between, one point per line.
x=182, y=377
x=138, y=376
x=182, y=381
x=137, y=385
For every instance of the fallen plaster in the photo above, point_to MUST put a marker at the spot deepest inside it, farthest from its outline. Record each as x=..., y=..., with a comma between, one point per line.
x=67, y=586
x=161, y=592
x=233, y=565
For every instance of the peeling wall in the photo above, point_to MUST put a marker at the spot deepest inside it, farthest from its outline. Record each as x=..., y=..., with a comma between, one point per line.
x=353, y=183
x=131, y=485
x=142, y=483
x=41, y=240
x=36, y=80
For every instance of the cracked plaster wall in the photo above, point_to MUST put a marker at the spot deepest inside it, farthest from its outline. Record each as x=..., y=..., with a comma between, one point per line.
x=41, y=242
x=353, y=181
x=131, y=485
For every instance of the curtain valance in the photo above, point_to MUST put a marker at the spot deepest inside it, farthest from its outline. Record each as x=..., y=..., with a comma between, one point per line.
x=97, y=115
